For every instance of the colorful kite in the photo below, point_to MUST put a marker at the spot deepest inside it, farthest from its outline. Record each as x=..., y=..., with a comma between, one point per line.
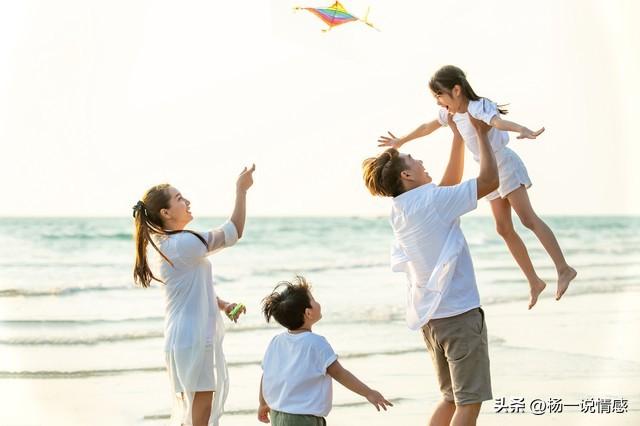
x=335, y=15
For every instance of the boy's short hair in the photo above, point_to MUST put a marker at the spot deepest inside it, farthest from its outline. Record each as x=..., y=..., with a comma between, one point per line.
x=382, y=173
x=288, y=305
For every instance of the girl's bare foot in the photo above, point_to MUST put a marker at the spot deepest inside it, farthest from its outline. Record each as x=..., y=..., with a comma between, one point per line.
x=535, y=289
x=564, y=278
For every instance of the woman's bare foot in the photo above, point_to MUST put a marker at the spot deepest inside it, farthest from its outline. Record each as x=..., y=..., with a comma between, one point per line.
x=564, y=278
x=535, y=290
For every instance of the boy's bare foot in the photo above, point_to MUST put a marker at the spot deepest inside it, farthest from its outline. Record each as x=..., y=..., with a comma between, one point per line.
x=564, y=278
x=536, y=288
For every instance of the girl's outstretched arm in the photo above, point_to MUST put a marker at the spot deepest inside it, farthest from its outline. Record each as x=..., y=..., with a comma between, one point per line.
x=423, y=130
x=351, y=382
x=510, y=126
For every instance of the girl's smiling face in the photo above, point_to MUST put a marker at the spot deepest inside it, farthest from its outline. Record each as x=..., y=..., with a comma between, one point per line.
x=453, y=101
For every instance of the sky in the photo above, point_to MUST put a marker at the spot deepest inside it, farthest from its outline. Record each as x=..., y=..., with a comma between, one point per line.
x=101, y=100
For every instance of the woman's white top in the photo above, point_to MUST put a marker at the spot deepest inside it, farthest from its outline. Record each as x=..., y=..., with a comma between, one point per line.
x=192, y=317
x=484, y=110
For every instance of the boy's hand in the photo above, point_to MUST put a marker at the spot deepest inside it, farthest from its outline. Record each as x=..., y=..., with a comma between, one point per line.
x=378, y=400
x=529, y=134
x=391, y=141
x=230, y=307
x=263, y=413
x=245, y=180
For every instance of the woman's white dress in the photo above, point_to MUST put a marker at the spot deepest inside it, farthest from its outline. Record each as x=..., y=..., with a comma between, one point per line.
x=194, y=328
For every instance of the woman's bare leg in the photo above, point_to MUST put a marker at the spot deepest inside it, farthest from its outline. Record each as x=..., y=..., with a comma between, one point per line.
x=201, y=408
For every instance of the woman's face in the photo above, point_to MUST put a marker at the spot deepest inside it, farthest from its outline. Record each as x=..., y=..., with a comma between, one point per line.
x=451, y=101
x=178, y=213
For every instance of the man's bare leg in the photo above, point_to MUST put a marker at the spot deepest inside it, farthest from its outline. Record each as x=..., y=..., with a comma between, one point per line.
x=443, y=414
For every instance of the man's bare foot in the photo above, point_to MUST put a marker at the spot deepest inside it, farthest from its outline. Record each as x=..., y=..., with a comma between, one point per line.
x=564, y=278
x=535, y=290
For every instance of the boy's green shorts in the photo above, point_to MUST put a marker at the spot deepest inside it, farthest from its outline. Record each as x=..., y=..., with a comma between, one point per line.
x=278, y=418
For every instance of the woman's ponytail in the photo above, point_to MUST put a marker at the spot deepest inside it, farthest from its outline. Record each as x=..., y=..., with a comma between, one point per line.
x=146, y=214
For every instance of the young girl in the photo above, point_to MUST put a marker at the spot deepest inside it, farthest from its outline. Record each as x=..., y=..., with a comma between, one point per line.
x=456, y=97
x=193, y=325
x=298, y=366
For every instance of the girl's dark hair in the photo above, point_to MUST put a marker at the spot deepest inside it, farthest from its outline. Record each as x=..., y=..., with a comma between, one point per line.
x=382, y=173
x=288, y=305
x=448, y=76
x=146, y=214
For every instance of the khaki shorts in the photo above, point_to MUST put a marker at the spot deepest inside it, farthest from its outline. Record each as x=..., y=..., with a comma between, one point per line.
x=460, y=353
x=278, y=418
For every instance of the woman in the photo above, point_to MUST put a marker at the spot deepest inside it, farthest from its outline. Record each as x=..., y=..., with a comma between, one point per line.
x=193, y=325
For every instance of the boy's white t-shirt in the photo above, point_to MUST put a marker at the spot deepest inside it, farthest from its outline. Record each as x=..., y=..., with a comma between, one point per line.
x=484, y=110
x=428, y=238
x=295, y=378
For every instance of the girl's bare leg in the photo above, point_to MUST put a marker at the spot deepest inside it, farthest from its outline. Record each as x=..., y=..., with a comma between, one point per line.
x=519, y=200
x=502, y=214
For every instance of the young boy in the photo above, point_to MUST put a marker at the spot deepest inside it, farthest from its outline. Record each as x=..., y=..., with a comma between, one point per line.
x=298, y=365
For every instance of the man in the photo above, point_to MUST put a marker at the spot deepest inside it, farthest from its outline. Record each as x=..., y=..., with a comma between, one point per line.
x=443, y=299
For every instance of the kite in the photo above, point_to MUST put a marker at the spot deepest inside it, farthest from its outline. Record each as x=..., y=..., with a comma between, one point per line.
x=335, y=15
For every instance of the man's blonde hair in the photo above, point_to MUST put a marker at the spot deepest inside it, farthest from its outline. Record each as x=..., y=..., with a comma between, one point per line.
x=382, y=173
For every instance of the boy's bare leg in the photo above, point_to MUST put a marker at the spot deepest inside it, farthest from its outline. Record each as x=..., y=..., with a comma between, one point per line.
x=502, y=214
x=443, y=414
x=466, y=415
x=519, y=200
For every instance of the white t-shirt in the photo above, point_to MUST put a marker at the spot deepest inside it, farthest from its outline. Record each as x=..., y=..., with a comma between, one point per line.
x=482, y=109
x=430, y=248
x=295, y=378
x=190, y=301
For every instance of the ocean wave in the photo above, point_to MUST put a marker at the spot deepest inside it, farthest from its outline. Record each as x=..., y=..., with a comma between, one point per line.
x=250, y=411
x=57, y=291
x=67, y=322
x=85, y=341
x=55, y=374
x=124, y=236
x=596, y=279
x=575, y=290
x=319, y=268
x=151, y=334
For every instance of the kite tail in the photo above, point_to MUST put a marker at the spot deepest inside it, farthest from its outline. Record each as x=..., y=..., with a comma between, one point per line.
x=366, y=20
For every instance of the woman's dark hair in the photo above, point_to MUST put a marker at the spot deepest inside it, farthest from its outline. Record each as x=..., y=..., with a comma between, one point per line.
x=444, y=80
x=287, y=303
x=146, y=214
x=381, y=174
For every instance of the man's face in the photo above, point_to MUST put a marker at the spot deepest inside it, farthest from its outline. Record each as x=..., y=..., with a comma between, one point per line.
x=415, y=171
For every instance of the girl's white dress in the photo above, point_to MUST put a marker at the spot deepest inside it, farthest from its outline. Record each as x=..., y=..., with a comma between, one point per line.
x=511, y=169
x=194, y=329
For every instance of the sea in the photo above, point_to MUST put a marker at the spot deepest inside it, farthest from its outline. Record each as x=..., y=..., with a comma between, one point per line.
x=78, y=340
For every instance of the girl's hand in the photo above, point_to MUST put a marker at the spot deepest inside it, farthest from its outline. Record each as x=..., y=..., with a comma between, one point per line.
x=378, y=400
x=529, y=134
x=230, y=307
x=245, y=180
x=391, y=141
x=263, y=413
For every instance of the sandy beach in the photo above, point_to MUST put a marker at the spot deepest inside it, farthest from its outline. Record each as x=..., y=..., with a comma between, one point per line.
x=579, y=348
x=81, y=346
x=582, y=347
